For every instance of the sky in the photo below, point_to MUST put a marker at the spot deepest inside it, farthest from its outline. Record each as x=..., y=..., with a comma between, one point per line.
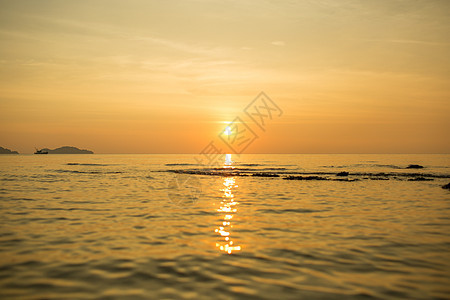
x=142, y=76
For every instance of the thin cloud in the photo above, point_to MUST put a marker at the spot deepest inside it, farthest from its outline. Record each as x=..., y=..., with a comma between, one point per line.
x=400, y=41
x=278, y=43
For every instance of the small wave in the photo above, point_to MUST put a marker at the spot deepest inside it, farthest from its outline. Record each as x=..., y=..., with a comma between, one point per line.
x=88, y=164
x=9, y=179
x=247, y=169
x=384, y=166
x=181, y=164
x=290, y=210
x=265, y=175
x=87, y=172
x=365, y=166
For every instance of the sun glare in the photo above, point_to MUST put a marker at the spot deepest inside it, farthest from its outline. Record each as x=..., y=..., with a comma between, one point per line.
x=227, y=130
x=228, y=160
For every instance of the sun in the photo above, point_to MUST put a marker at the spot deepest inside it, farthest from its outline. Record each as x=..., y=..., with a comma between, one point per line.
x=227, y=130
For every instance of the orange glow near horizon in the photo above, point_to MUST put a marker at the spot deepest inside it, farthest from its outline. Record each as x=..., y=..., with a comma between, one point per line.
x=350, y=77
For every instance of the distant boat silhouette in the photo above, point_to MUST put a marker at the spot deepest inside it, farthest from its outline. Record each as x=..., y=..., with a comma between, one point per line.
x=40, y=151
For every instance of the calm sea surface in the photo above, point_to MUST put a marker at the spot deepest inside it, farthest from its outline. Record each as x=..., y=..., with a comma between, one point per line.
x=162, y=226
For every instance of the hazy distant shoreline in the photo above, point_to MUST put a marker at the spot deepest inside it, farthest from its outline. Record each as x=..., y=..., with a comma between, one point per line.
x=60, y=150
x=67, y=150
x=7, y=151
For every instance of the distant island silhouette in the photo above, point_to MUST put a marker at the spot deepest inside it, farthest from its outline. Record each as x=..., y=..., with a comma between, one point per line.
x=7, y=151
x=67, y=150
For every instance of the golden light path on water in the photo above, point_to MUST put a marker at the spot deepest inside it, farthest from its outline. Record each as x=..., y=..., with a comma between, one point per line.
x=229, y=208
x=228, y=161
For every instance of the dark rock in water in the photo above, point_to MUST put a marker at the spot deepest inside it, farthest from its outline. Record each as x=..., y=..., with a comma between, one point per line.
x=67, y=150
x=7, y=151
x=207, y=173
x=265, y=175
x=345, y=179
x=420, y=179
x=305, y=178
x=342, y=174
x=414, y=167
x=447, y=186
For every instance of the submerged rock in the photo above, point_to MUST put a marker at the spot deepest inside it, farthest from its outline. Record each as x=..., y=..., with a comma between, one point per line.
x=265, y=175
x=414, y=167
x=420, y=179
x=446, y=186
x=345, y=179
x=305, y=178
x=342, y=174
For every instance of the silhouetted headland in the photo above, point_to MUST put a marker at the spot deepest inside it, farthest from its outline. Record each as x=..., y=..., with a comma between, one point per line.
x=67, y=150
x=7, y=151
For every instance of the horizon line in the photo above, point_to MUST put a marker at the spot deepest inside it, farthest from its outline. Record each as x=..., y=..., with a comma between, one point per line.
x=307, y=153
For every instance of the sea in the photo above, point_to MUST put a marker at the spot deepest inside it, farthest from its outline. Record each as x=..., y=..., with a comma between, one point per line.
x=250, y=226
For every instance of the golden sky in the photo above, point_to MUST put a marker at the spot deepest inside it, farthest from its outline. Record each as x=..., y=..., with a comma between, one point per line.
x=128, y=76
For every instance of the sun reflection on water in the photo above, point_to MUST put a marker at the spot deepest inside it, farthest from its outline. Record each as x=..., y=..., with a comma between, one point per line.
x=228, y=162
x=229, y=207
